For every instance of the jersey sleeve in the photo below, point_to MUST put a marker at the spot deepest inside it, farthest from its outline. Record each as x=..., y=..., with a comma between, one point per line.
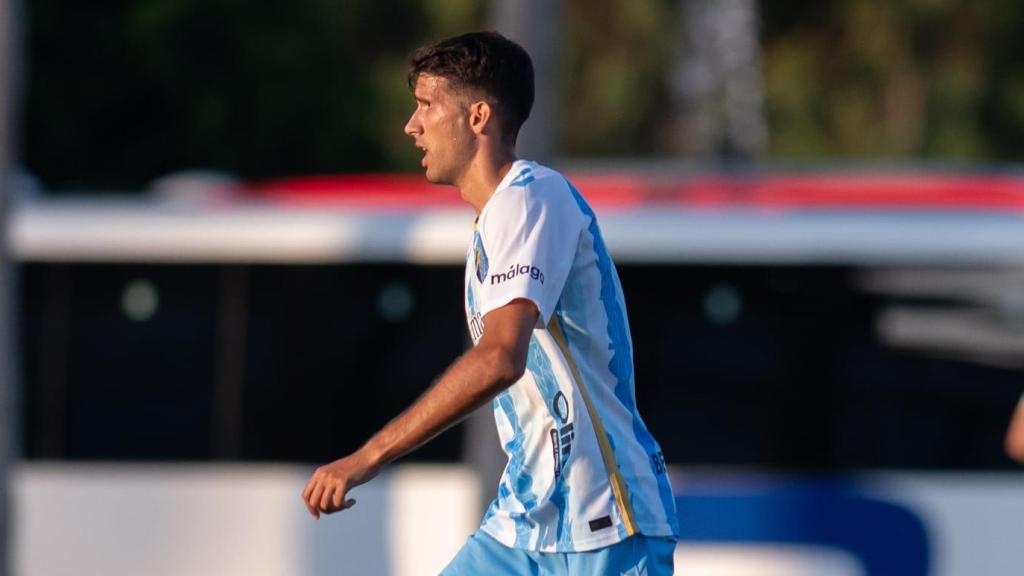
x=530, y=237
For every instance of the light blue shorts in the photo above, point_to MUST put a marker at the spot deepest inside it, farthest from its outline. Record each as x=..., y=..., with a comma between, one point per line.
x=635, y=556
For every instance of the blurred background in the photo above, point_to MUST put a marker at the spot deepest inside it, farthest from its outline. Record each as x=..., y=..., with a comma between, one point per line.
x=223, y=267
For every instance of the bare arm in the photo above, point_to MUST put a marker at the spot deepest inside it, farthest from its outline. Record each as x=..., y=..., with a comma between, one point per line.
x=1015, y=433
x=497, y=362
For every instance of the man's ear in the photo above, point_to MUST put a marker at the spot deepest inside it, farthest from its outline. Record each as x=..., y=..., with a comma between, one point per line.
x=481, y=117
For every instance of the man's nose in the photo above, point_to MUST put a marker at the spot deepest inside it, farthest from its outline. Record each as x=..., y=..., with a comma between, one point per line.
x=412, y=127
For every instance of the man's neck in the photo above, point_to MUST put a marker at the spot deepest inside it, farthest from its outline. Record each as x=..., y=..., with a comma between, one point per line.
x=483, y=176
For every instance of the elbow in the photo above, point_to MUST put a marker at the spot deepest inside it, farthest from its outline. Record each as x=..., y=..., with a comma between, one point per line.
x=506, y=366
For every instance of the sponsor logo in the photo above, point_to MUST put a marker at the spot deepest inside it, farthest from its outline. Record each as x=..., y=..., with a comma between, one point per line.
x=561, y=445
x=515, y=271
x=561, y=437
x=476, y=327
x=560, y=406
x=556, y=454
x=565, y=437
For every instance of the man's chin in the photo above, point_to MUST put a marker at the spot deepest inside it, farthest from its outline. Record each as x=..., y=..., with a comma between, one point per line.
x=435, y=178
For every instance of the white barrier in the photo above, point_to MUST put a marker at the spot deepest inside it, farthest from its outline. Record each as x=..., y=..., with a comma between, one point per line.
x=176, y=519
x=97, y=229
x=199, y=520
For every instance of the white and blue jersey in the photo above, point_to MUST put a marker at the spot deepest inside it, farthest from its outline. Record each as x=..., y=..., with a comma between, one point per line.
x=583, y=470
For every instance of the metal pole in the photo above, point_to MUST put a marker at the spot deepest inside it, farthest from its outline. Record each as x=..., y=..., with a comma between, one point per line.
x=538, y=26
x=716, y=84
x=229, y=378
x=8, y=394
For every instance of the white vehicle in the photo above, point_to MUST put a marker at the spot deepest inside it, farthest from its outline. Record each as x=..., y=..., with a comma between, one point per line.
x=863, y=328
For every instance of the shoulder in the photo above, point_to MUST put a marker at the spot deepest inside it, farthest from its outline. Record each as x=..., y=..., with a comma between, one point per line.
x=534, y=192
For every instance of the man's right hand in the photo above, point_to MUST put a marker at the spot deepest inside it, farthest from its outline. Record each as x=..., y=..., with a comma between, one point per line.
x=327, y=489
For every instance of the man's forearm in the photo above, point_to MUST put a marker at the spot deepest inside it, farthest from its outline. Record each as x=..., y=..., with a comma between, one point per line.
x=471, y=381
x=481, y=373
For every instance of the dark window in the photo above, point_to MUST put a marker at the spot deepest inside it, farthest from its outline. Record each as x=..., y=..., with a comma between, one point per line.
x=816, y=366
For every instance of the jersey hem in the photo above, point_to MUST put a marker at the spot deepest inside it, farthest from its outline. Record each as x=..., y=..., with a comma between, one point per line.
x=590, y=544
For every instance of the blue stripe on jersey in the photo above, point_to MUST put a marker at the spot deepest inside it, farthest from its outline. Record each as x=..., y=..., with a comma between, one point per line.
x=621, y=363
x=516, y=471
x=523, y=178
x=539, y=365
x=470, y=297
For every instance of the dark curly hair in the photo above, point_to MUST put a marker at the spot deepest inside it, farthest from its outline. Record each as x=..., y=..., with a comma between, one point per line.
x=486, y=65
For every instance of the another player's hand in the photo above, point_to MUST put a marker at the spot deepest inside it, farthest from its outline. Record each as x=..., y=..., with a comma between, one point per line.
x=327, y=488
x=1015, y=433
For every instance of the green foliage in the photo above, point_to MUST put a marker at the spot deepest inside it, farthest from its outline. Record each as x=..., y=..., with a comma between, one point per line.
x=615, y=91
x=868, y=79
x=122, y=91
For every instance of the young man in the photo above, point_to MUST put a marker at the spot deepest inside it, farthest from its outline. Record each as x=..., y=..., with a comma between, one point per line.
x=585, y=490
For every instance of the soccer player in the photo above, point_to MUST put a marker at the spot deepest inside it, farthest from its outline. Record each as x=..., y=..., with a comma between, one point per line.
x=585, y=489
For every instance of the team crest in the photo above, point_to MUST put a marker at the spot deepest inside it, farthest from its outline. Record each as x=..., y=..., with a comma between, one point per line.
x=479, y=258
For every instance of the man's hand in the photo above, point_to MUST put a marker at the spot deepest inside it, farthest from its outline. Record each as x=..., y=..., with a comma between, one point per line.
x=496, y=363
x=326, y=490
x=1015, y=433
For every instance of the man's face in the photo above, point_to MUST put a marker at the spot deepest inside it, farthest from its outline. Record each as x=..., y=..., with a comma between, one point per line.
x=440, y=127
